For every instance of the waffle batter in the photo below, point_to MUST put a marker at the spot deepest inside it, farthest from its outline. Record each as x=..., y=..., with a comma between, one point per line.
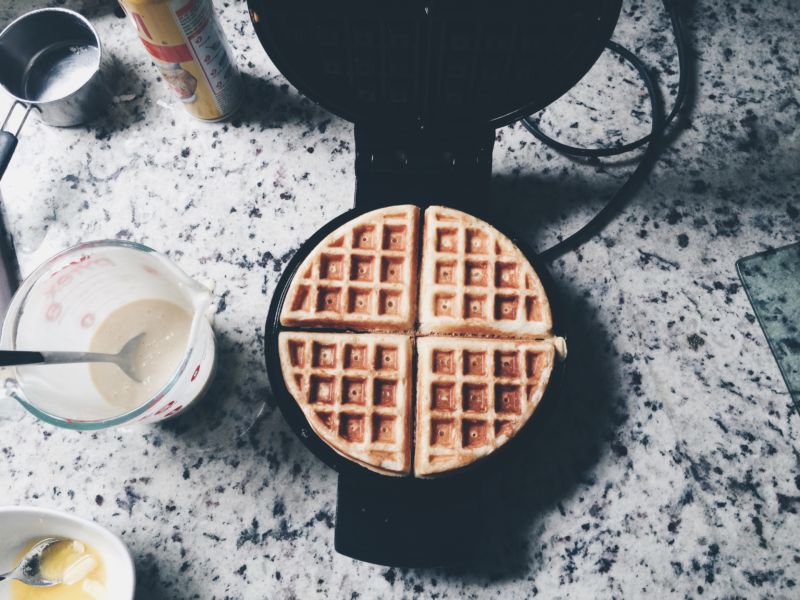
x=166, y=327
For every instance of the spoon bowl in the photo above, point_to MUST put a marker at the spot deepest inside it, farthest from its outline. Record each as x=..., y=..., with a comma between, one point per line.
x=29, y=570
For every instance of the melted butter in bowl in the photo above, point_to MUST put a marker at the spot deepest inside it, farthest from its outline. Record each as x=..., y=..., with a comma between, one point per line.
x=78, y=565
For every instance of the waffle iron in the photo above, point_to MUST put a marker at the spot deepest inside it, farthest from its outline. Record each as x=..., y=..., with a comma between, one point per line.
x=426, y=84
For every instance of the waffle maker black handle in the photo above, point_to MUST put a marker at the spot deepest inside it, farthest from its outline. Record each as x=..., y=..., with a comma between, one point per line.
x=406, y=529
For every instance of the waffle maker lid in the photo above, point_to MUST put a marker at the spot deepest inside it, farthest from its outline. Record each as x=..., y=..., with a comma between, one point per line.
x=426, y=84
x=434, y=64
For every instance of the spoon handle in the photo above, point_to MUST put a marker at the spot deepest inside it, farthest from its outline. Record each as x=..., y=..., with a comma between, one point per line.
x=10, y=358
x=57, y=357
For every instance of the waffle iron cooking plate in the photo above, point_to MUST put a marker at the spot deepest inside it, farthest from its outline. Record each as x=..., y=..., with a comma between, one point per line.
x=426, y=84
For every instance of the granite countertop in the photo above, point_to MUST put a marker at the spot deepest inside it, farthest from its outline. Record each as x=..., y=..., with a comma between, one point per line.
x=671, y=468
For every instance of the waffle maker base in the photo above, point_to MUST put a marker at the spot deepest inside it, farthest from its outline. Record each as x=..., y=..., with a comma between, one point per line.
x=409, y=521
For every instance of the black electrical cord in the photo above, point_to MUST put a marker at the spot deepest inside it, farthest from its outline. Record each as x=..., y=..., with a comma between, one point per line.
x=659, y=125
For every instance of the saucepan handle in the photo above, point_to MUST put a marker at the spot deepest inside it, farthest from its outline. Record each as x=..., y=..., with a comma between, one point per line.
x=8, y=140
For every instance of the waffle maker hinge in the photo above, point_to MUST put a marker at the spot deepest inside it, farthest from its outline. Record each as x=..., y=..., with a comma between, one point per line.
x=450, y=168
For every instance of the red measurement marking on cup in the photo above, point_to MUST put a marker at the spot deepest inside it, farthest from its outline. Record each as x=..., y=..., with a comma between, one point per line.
x=87, y=320
x=174, y=411
x=53, y=311
x=165, y=408
x=196, y=373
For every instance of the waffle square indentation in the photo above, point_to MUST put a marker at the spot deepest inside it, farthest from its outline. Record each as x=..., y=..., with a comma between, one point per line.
x=443, y=433
x=329, y=299
x=364, y=237
x=444, y=305
x=474, y=363
x=362, y=268
x=475, y=433
x=323, y=355
x=505, y=308
x=475, y=306
x=475, y=397
x=447, y=240
x=444, y=362
x=297, y=351
x=321, y=390
x=506, y=364
x=392, y=269
x=355, y=356
x=331, y=266
x=445, y=272
x=385, y=393
x=506, y=274
x=386, y=358
x=443, y=397
x=383, y=428
x=389, y=302
x=354, y=391
x=351, y=427
x=302, y=299
x=477, y=242
x=508, y=399
x=476, y=273
x=394, y=237
x=359, y=301
x=533, y=308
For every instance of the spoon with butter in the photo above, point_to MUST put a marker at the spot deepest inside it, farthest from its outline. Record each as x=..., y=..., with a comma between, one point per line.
x=32, y=568
x=53, y=561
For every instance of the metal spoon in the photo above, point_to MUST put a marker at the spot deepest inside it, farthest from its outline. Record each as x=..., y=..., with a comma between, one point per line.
x=29, y=570
x=123, y=359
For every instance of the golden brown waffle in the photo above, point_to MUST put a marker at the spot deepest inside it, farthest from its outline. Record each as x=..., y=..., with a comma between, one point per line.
x=473, y=395
x=474, y=280
x=355, y=391
x=362, y=276
x=475, y=390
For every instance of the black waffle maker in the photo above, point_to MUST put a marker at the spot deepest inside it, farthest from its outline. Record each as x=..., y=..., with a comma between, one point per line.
x=425, y=83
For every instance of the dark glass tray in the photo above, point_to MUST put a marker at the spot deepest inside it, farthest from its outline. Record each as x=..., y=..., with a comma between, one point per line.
x=772, y=282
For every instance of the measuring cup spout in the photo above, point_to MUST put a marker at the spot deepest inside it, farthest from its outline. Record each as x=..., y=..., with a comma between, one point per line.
x=202, y=297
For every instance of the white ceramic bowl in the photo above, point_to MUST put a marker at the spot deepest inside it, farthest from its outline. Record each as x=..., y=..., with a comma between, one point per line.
x=20, y=525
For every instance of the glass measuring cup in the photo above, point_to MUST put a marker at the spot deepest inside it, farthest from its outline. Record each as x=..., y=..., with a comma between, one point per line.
x=61, y=305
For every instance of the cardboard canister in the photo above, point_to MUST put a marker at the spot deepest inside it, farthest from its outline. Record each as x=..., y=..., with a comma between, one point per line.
x=186, y=42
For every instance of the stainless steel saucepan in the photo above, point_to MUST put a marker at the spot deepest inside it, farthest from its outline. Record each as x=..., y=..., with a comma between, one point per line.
x=50, y=61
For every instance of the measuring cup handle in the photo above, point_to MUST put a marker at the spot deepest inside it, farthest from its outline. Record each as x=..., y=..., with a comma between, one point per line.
x=8, y=143
x=10, y=407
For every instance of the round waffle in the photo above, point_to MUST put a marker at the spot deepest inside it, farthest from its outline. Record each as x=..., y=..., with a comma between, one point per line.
x=462, y=294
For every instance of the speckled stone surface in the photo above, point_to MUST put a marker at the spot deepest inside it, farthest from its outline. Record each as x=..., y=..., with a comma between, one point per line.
x=671, y=468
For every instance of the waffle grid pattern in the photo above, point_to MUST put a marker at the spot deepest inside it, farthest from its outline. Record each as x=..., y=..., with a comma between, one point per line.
x=354, y=390
x=476, y=281
x=473, y=395
x=361, y=276
x=496, y=314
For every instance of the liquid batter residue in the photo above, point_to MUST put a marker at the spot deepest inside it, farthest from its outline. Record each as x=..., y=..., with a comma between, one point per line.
x=166, y=327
